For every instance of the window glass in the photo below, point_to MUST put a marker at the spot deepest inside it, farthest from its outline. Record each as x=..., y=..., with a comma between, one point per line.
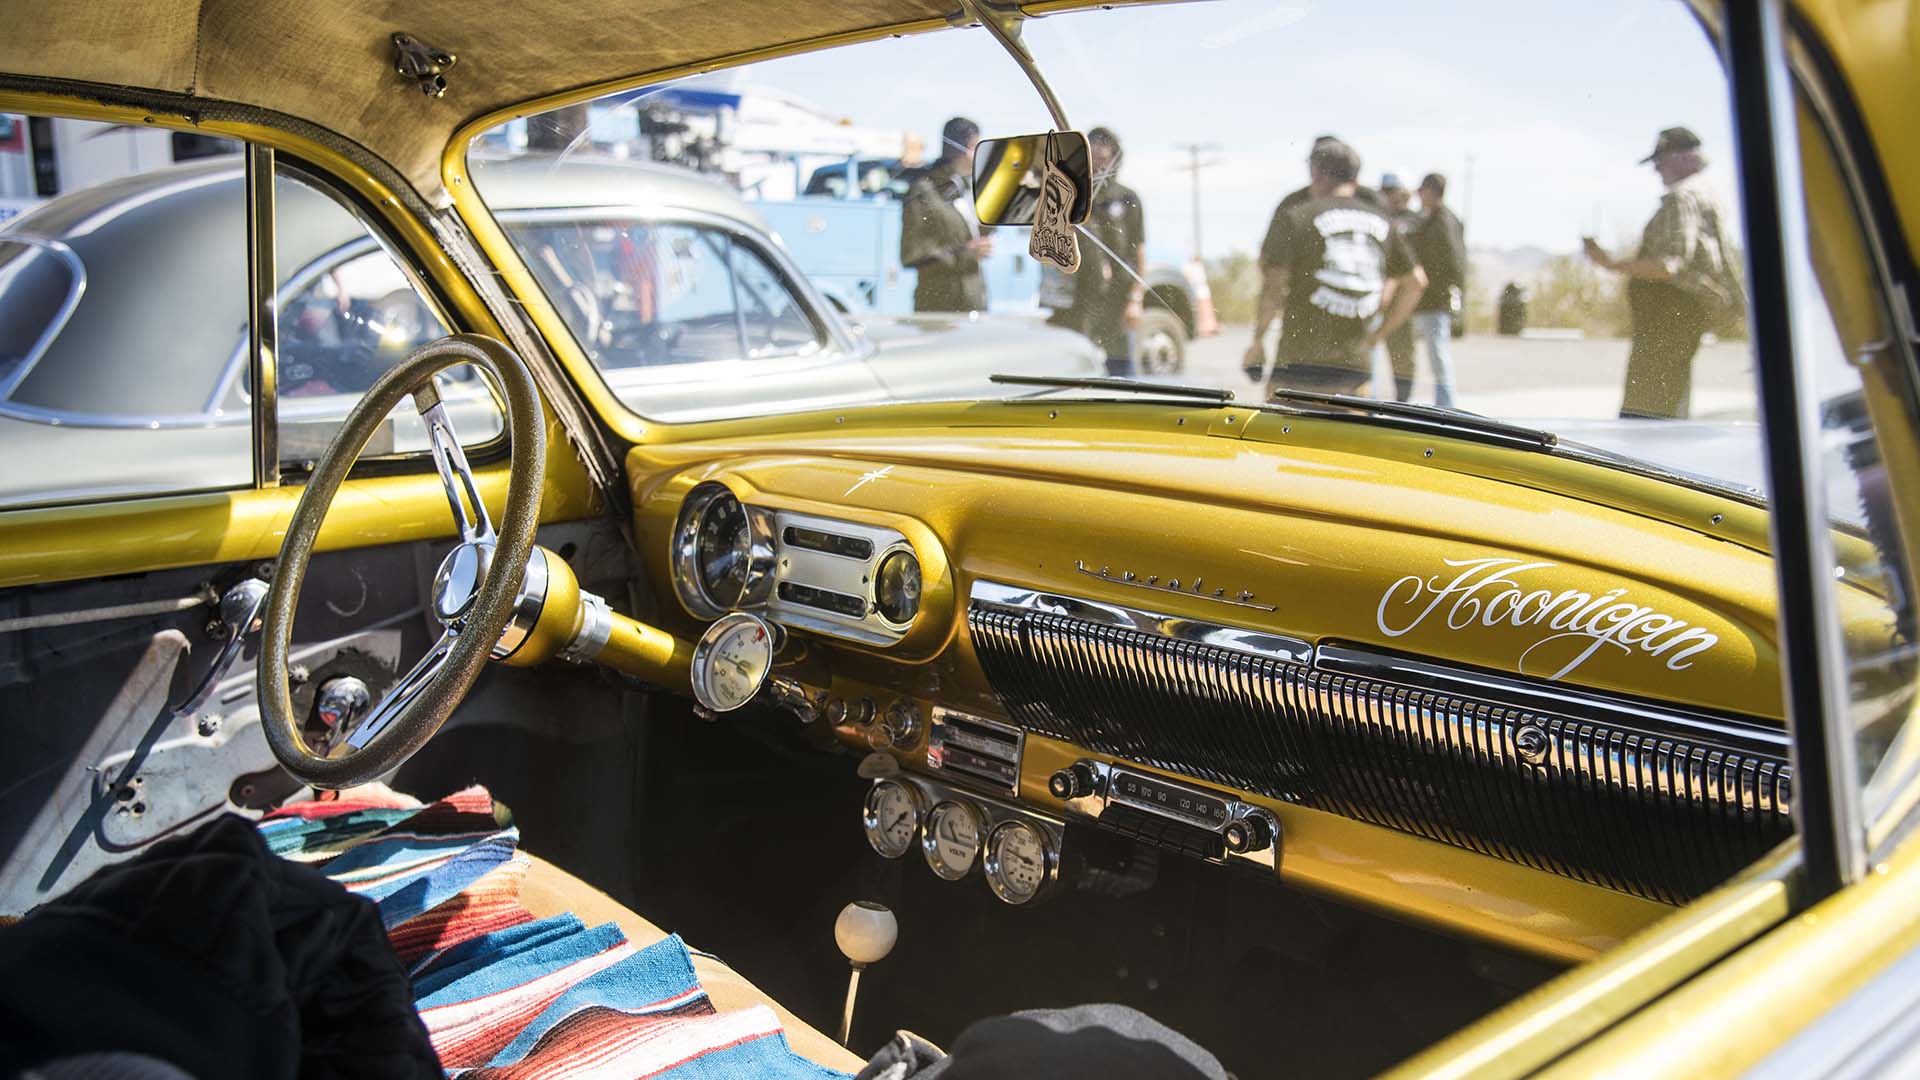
x=775, y=322
x=1864, y=382
x=649, y=294
x=40, y=282
x=122, y=292
x=349, y=310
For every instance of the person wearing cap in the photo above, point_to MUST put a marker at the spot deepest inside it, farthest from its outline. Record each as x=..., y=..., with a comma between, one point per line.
x=1440, y=247
x=1397, y=201
x=1678, y=284
x=1328, y=261
x=1110, y=287
x=940, y=237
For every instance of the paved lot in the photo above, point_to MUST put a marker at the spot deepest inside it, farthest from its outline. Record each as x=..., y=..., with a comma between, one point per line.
x=1515, y=378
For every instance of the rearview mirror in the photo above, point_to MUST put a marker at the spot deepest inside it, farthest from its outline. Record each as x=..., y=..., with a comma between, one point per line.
x=1007, y=176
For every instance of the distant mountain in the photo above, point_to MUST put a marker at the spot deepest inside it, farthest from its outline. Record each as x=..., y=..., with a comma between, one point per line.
x=1492, y=268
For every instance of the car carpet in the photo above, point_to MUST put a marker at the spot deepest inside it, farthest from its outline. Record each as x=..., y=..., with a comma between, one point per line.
x=501, y=993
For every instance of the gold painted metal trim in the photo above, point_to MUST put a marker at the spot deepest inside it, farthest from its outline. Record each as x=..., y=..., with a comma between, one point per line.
x=1555, y=1019
x=1736, y=1013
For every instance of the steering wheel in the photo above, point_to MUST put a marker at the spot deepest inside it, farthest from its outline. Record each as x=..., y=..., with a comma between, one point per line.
x=473, y=591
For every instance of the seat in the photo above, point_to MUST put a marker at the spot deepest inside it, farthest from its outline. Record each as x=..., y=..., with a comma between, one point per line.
x=549, y=890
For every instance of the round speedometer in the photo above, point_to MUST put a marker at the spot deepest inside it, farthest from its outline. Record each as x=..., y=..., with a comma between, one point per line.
x=732, y=660
x=723, y=551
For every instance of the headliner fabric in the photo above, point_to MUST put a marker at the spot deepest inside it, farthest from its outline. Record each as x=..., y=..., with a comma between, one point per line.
x=503, y=993
x=332, y=63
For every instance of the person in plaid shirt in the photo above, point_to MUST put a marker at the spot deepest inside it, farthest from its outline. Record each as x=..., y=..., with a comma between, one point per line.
x=1679, y=284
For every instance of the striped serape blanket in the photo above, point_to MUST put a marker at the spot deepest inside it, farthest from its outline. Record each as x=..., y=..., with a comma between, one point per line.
x=506, y=995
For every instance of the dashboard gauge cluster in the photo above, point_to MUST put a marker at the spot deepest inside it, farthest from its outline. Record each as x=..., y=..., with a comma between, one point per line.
x=961, y=833
x=842, y=578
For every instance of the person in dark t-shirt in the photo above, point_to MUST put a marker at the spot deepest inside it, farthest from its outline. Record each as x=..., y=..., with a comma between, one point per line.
x=1327, y=261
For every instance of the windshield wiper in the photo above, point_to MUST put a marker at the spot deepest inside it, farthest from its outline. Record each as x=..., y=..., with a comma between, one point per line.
x=1451, y=419
x=1131, y=386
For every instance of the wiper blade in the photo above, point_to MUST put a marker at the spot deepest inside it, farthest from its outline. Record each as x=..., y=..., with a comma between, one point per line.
x=1131, y=386
x=1457, y=419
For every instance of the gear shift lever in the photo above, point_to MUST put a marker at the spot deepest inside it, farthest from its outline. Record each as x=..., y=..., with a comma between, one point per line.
x=865, y=932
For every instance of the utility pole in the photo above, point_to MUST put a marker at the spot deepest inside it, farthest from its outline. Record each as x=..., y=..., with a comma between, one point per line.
x=1194, y=165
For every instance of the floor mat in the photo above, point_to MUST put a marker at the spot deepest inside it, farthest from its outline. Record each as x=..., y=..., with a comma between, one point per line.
x=504, y=994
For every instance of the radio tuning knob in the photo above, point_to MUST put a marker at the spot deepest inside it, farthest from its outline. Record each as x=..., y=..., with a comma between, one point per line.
x=1248, y=834
x=898, y=729
x=1073, y=782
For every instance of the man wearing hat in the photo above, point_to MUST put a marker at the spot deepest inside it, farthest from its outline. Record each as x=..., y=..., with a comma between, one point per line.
x=1678, y=285
x=940, y=239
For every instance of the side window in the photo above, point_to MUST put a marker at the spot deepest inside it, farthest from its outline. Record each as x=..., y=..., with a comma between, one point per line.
x=699, y=306
x=123, y=317
x=122, y=293
x=349, y=310
x=652, y=294
x=776, y=323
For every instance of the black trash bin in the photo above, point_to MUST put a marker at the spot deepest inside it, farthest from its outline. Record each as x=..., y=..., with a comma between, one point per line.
x=1513, y=310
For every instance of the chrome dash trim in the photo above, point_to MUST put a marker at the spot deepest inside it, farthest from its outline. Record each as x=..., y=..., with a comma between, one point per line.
x=1179, y=627
x=1656, y=801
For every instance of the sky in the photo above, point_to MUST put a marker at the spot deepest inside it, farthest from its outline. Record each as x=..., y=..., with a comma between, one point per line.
x=1537, y=112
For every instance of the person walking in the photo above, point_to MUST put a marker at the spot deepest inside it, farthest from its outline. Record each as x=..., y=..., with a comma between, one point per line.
x=1440, y=247
x=1327, y=261
x=940, y=238
x=1110, y=287
x=1678, y=284
x=1396, y=200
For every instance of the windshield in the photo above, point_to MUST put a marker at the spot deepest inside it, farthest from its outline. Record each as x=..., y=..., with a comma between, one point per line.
x=1453, y=205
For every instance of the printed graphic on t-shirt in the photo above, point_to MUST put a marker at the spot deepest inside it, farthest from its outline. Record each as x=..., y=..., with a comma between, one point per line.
x=1339, y=252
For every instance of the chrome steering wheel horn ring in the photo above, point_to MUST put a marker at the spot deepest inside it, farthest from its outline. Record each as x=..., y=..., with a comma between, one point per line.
x=475, y=590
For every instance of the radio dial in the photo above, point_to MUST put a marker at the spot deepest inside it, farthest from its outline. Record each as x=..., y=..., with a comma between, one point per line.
x=1248, y=834
x=1073, y=782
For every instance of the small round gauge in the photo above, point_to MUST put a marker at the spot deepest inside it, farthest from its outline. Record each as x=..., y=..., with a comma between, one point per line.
x=723, y=551
x=896, y=587
x=951, y=840
x=891, y=817
x=732, y=660
x=1019, y=861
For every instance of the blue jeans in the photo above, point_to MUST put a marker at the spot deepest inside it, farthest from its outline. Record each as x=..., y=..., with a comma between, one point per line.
x=1436, y=328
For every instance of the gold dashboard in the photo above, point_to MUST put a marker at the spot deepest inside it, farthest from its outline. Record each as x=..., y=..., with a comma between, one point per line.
x=1351, y=573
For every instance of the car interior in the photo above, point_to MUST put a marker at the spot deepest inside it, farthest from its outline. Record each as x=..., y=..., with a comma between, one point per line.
x=1335, y=734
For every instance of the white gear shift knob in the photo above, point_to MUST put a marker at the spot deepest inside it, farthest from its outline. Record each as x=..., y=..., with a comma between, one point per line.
x=865, y=932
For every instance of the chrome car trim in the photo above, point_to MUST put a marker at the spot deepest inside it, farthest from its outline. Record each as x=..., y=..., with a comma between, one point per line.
x=527, y=606
x=1676, y=799
x=75, y=291
x=596, y=628
x=1256, y=642
x=263, y=317
x=239, y=616
x=1219, y=595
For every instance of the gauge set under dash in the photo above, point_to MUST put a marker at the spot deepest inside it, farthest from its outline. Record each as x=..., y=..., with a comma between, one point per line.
x=959, y=834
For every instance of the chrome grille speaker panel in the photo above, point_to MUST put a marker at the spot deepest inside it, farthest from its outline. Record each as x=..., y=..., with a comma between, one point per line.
x=1653, y=801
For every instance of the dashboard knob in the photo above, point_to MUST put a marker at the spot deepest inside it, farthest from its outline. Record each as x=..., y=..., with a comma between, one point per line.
x=1073, y=782
x=836, y=711
x=899, y=728
x=1248, y=834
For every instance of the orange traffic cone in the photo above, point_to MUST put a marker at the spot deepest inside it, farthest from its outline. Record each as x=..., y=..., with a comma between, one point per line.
x=1205, y=322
